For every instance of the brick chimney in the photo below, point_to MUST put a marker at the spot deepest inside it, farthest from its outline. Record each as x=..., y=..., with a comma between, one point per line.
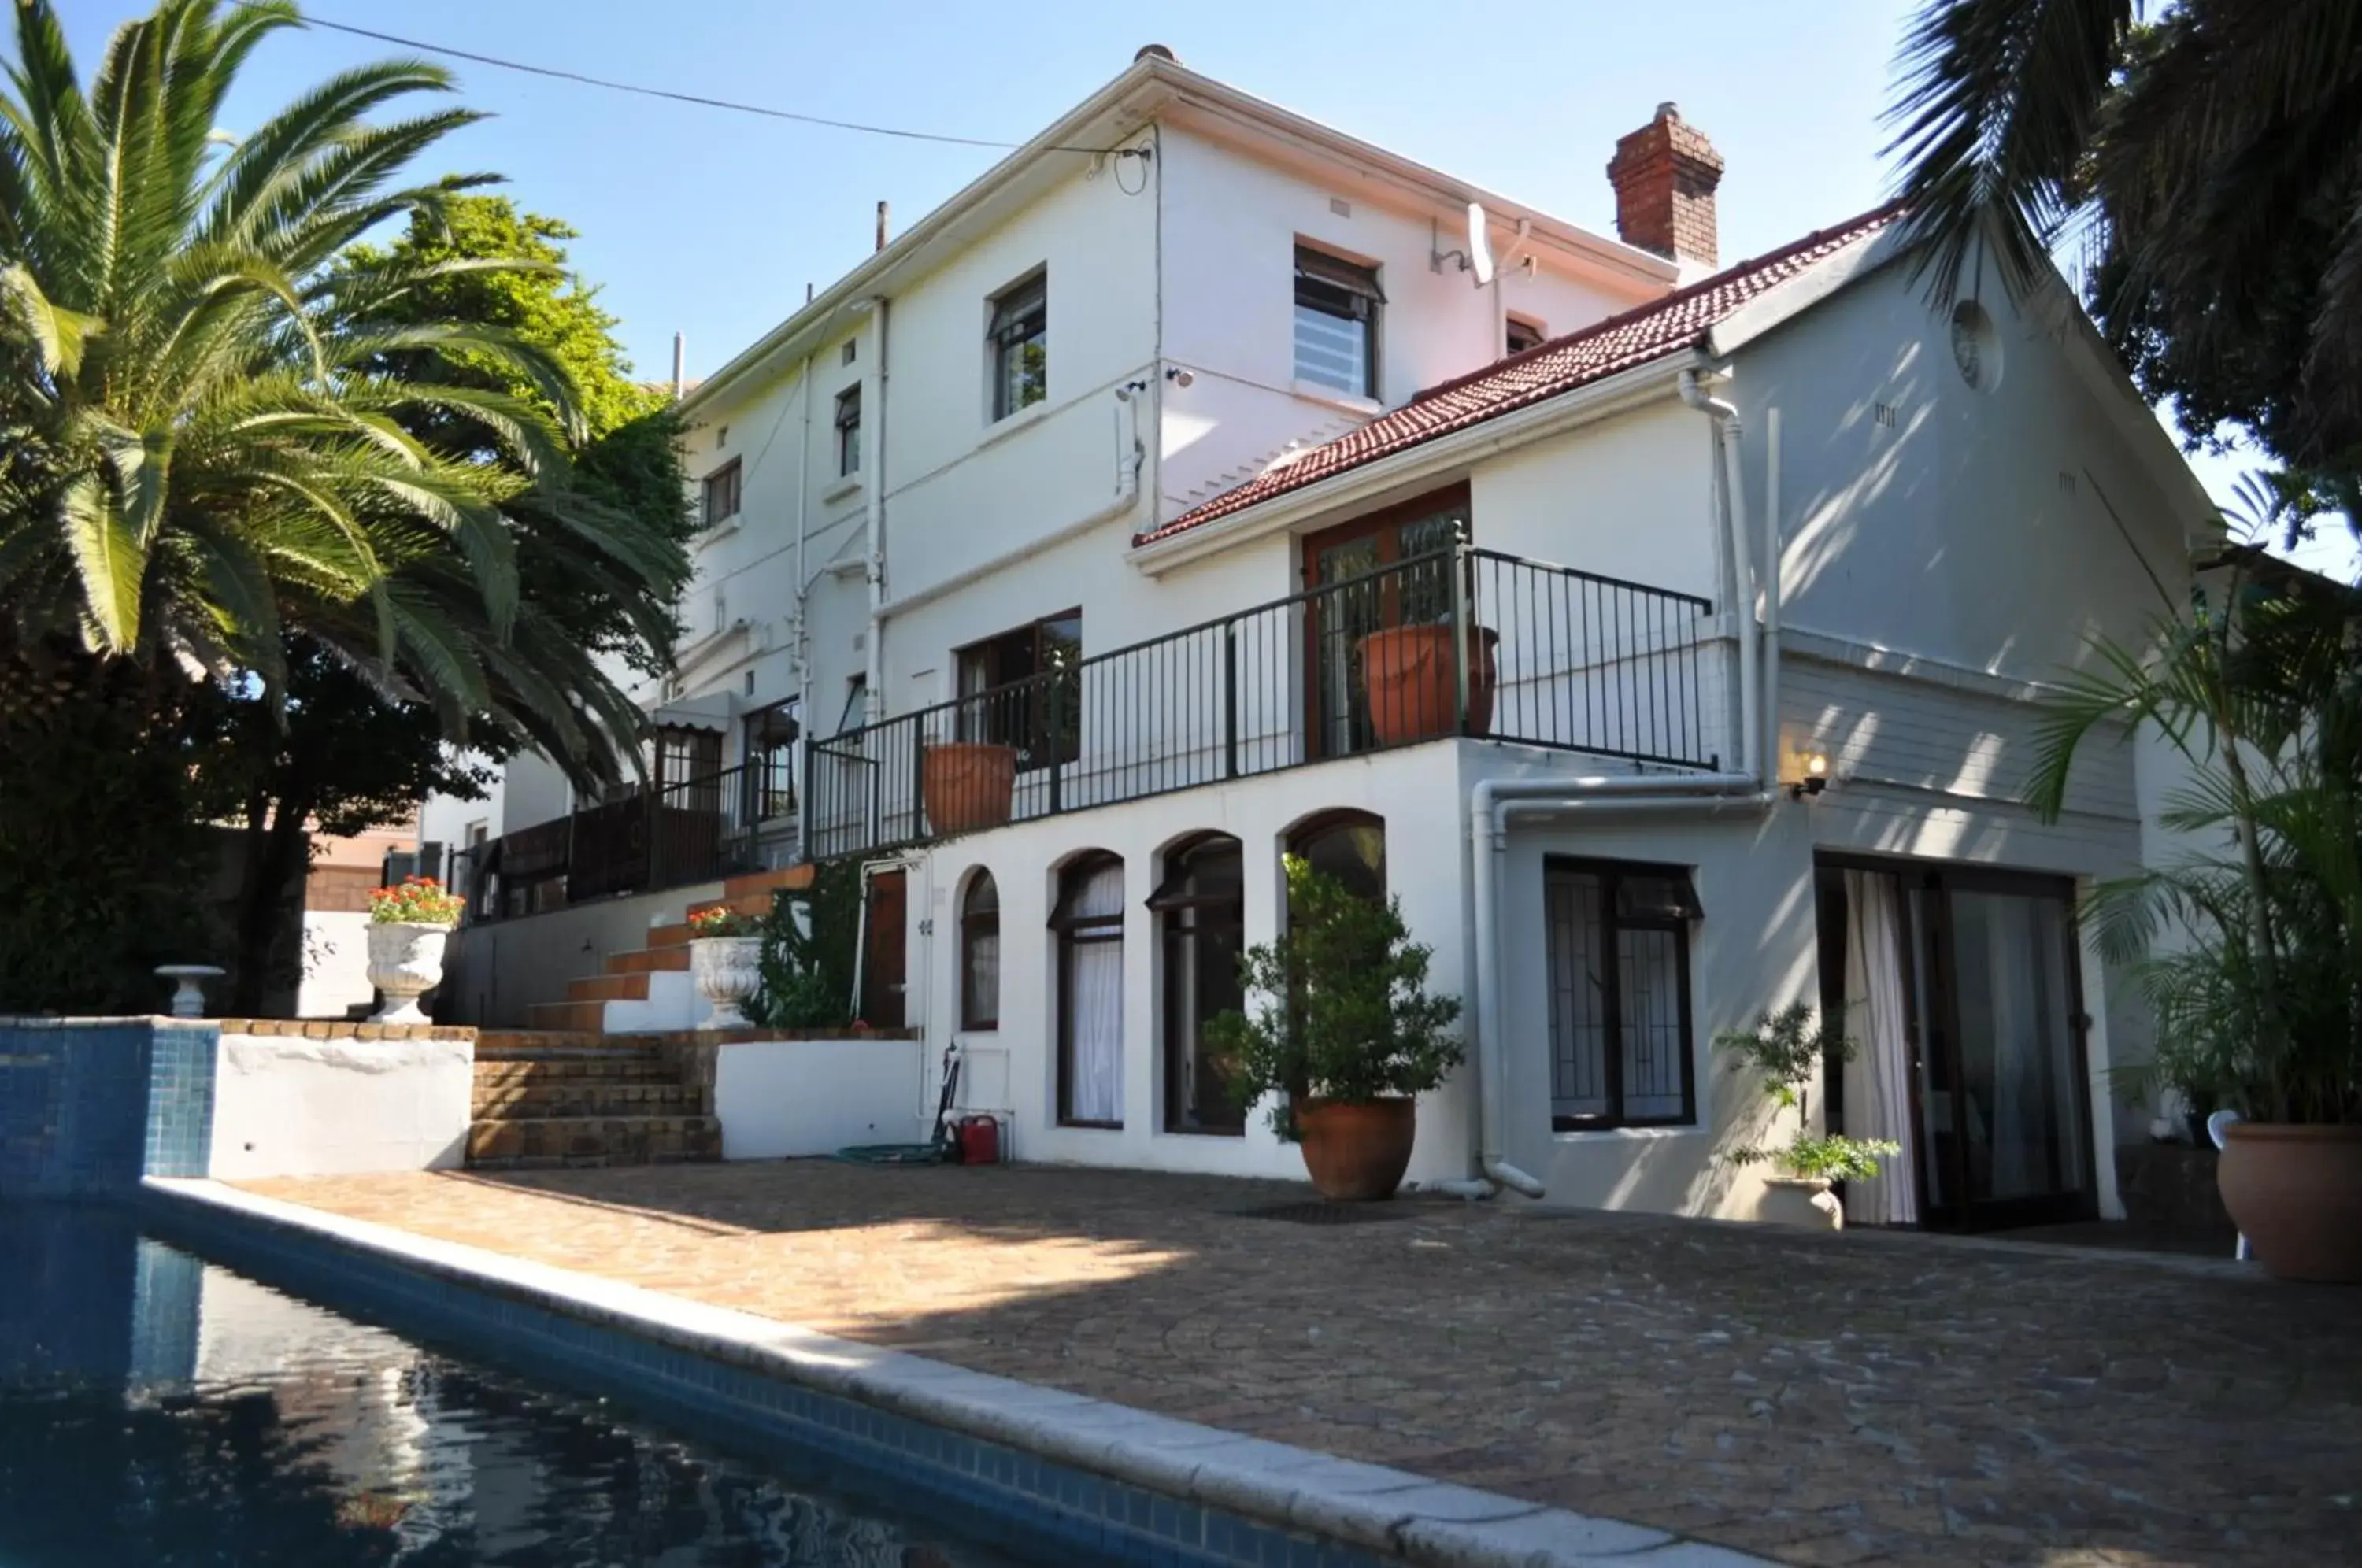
x=1664, y=174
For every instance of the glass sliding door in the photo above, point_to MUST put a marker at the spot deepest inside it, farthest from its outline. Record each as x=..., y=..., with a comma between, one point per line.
x=1967, y=986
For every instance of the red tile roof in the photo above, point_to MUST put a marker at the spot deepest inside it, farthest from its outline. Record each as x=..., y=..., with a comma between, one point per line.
x=1679, y=321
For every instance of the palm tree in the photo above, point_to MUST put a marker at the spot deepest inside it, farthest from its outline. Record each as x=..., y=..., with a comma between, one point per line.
x=227, y=435
x=2216, y=153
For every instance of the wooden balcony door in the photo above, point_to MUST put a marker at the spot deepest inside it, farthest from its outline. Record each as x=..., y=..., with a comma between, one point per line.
x=1336, y=704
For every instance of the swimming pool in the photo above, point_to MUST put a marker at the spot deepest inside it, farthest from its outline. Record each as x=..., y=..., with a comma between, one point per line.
x=159, y=1409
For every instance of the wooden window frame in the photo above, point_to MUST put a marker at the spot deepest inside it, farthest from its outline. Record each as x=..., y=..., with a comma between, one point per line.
x=1614, y=922
x=973, y=923
x=1516, y=324
x=1073, y=931
x=731, y=473
x=992, y=721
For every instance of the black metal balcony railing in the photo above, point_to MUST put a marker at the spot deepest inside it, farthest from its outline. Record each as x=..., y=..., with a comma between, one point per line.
x=694, y=830
x=1461, y=642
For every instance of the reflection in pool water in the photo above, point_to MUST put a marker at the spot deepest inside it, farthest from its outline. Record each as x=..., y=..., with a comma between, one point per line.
x=156, y=1409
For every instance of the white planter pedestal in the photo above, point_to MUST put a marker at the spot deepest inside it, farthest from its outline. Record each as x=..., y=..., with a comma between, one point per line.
x=727, y=969
x=405, y=962
x=1805, y=1201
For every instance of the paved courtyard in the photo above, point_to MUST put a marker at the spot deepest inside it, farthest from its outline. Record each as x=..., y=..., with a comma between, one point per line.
x=1820, y=1400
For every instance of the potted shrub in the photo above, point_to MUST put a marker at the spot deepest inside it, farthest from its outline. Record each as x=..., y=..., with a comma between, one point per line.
x=1787, y=1049
x=409, y=926
x=1412, y=690
x=1344, y=1030
x=726, y=962
x=2251, y=951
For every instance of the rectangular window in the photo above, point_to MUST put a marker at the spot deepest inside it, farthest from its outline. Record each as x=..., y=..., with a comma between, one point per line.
x=1337, y=308
x=1524, y=332
x=721, y=494
x=1619, y=990
x=848, y=432
x=1018, y=339
x=1023, y=688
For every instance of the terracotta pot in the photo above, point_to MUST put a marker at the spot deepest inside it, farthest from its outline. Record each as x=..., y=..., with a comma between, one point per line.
x=1407, y=674
x=1356, y=1152
x=405, y=962
x=967, y=785
x=2296, y=1194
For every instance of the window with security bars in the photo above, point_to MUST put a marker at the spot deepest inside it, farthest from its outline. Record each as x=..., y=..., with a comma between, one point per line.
x=1621, y=1052
x=1337, y=304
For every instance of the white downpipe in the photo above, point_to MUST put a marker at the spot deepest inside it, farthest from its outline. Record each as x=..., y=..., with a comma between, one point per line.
x=803, y=611
x=1727, y=433
x=1494, y=801
x=1775, y=553
x=874, y=697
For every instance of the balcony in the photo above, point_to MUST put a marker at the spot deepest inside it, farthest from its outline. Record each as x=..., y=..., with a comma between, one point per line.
x=1459, y=642
x=696, y=830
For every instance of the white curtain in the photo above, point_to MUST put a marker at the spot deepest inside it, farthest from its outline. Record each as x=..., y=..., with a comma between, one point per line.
x=1095, y=999
x=1878, y=1079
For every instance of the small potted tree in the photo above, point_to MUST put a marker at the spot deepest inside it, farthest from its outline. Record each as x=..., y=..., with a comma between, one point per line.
x=726, y=962
x=1787, y=1048
x=1344, y=1030
x=409, y=926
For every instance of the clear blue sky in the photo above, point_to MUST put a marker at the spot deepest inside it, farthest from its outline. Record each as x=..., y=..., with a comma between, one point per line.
x=712, y=222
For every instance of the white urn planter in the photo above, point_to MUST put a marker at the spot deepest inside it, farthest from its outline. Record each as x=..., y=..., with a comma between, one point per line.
x=1801, y=1201
x=726, y=970
x=405, y=962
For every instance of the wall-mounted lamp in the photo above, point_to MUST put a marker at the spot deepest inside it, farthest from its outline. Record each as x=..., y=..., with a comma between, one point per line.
x=1125, y=392
x=1814, y=771
x=1178, y=376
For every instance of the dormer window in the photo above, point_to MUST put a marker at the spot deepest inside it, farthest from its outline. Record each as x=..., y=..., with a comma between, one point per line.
x=1337, y=306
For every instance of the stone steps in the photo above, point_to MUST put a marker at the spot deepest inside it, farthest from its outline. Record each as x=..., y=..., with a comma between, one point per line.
x=579, y=1098
x=547, y=1141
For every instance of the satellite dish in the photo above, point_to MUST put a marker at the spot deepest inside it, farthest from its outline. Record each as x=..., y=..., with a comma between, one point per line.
x=1480, y=248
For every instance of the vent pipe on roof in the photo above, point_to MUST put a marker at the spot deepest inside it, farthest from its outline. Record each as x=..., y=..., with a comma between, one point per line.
x=882, y=211
x=679, y=362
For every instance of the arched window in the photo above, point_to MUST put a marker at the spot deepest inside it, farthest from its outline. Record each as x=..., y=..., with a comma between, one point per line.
x=980, y=955
x=1346, y=844
x=1201, y=919
x=1089, y=922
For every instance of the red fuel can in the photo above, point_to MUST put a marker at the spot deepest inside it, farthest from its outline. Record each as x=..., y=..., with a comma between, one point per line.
x=979, y=1140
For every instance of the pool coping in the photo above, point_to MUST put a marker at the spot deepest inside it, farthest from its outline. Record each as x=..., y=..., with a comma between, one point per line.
x=1397, y=1513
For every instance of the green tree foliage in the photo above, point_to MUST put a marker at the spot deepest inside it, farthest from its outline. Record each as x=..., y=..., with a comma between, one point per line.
x=2258, y=995
x=1786, y=1050
x=232, y=432
x=1343, y=1011
x=812, y=952
x=2216, y=155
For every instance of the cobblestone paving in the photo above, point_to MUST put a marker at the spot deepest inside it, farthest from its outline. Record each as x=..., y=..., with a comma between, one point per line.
x=1821, y=1399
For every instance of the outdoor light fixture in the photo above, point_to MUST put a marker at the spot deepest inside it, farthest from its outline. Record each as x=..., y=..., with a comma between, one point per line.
x=1815, y=766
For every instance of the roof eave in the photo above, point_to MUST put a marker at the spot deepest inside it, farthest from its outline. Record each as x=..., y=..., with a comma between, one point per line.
x=1128, y=101
x=1598, y=399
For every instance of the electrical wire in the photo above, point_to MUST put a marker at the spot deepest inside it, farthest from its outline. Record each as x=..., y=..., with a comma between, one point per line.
x=558, y=73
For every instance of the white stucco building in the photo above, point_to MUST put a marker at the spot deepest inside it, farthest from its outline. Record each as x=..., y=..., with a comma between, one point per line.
x=1051, y=554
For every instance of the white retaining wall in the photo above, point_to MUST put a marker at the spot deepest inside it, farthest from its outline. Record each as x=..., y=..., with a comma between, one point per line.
x=782, y=1099
x=292, y=1106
